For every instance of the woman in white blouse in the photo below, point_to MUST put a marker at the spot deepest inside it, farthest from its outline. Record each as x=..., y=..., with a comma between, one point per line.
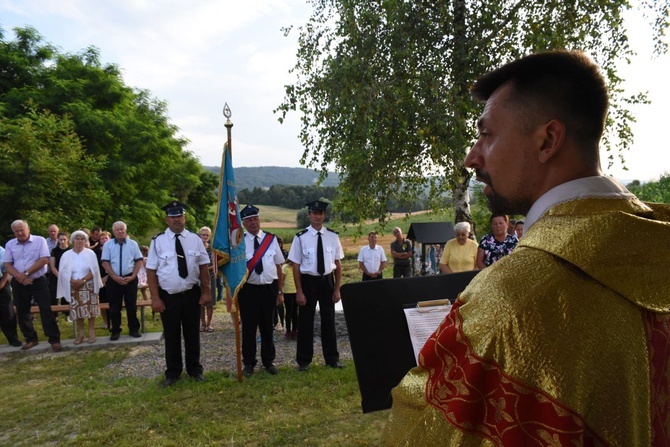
x=79, y=283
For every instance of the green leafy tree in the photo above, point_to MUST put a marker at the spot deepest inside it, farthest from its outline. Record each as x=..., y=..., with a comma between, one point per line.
x=302, y=218
x=382, y=87
x=143, y=163
x=47, y=176
x=656, y=191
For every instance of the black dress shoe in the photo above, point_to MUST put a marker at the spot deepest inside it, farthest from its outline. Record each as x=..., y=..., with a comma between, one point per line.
x=272, y=369
x=247, y=371
x=336, y=365
x=136, y=335
x=170, y=381
x=303, y=368
x=115, y=336
x=16, y=343
x=198, y=377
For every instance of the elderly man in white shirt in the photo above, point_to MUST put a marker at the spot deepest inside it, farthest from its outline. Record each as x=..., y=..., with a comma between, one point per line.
x=372, y=259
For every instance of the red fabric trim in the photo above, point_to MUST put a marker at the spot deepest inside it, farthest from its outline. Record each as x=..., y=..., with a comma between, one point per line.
x=476, y=396
x=658, y=342
x=258, y=255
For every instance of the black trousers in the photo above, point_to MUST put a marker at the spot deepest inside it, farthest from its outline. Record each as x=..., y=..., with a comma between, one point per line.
x=257, y=309
x=291, y=312
x=370, y=278
x=117, y=294
x=317, y=290
x=7, y=315
x=39, y=291
x=400, y=271
x=181, y=314
x=53, y=286
x=279, y=315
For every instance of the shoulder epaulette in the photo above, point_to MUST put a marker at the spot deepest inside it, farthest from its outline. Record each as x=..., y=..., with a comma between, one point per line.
x=162, y=232
x=333, y=231
x=301, y=232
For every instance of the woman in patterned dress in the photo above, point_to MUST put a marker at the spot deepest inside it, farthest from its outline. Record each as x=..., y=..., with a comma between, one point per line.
x=79, y=283
x=496, y=244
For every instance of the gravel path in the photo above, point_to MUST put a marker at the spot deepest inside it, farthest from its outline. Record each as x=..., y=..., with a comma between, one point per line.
x=218, y=350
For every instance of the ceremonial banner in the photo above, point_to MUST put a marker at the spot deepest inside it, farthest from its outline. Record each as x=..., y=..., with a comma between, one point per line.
x=228, y=238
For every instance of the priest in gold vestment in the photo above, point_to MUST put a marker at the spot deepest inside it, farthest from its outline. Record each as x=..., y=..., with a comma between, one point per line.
x=566, y=342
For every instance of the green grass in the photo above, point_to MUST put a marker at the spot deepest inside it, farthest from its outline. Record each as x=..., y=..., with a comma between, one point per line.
x=72, y=399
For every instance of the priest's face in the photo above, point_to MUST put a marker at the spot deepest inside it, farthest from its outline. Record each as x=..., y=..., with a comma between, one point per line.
x=502, y=157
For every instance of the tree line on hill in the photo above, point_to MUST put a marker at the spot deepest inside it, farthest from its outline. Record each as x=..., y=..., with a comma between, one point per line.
x=285, y=196
x=266, y=176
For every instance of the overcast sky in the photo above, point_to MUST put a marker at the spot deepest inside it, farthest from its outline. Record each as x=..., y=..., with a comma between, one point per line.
x=198, y=55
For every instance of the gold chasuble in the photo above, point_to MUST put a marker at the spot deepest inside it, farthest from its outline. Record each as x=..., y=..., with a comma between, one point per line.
x=566, y=342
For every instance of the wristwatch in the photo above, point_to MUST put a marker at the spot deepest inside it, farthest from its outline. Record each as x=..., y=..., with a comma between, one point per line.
x=280, y=293
x=26, y=273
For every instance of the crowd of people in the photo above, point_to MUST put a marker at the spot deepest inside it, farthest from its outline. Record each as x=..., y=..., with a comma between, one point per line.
x=82, y=270
x=178, y=274
x=89, y=267
x=459, y=254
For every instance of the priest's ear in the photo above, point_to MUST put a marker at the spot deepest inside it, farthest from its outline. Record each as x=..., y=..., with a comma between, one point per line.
x=553, y=140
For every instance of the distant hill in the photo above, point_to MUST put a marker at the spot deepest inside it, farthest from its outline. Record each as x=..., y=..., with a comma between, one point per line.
x=266, y=176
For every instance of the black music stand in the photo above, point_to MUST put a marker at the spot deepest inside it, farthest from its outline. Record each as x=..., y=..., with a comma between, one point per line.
x=378, y=333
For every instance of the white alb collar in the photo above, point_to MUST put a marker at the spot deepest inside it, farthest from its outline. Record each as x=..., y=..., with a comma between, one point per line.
x=598, y=186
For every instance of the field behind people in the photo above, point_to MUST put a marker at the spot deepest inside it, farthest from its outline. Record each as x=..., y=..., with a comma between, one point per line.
x=78, y=398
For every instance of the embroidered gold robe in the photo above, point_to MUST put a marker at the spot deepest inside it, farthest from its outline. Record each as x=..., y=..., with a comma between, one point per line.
x=566, y=342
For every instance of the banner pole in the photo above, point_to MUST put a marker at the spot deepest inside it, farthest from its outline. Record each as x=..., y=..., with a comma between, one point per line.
x=229, y=126
x=235, y=307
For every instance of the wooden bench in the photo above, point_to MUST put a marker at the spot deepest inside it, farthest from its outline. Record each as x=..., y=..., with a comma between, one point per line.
x=141, y=304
